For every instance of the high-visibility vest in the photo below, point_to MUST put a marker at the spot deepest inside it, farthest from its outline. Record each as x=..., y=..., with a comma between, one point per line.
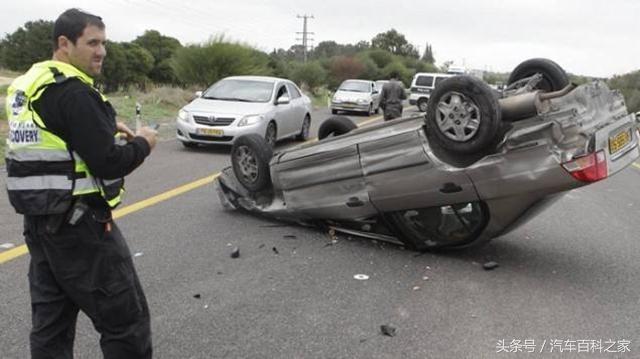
x=44, y=175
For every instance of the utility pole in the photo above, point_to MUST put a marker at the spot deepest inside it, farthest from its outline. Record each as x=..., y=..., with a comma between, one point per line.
x=305, y=34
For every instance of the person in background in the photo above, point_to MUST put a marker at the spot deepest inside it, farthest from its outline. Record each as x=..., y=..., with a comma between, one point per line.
x=65, y=174
x=391, y=97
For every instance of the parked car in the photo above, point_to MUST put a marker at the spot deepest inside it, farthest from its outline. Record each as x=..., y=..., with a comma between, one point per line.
x=476, y=166
x=379, y=84
x=356, y=95
x=422, y=85
x=270, y=107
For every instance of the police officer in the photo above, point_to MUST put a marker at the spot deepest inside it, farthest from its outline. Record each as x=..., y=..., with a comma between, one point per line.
x=65, y=174
x=391, y=97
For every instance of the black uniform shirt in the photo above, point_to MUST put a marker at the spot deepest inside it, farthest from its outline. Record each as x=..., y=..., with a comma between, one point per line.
x=76, y=113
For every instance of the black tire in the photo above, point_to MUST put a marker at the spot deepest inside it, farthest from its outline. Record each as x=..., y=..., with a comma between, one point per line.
x=306, y=128
x=463, y=116
x=271, y=134
x=422, y=105
x=334, y=112
x=250, y=156
x=377, y=110
x=336, y=126
x=189, y=144
x=370, y=110
x=554, y=78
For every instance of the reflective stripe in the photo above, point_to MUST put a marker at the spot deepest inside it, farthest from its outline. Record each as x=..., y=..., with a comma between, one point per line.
x=38, y=183
x=85, y=185
x=38, y=155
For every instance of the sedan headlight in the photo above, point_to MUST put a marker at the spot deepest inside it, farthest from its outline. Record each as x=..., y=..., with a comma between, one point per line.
x=250, y=120
x=363, y=100
x=336, y=100
x=183, y=115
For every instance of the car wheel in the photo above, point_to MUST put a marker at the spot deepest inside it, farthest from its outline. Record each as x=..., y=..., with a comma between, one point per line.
x=370, y=110
x=336, y=126
x=452, y=226
x=554, y=78
x=422, y=105
x=334, y=112
x=271, y=134
x=250, y=156
x=463, y=116
x=189, y=144
x=304, y=131
x=377, y=110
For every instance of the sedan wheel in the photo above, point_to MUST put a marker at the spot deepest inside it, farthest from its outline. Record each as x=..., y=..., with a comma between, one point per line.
x=250, y=156
x=271, y=134
x=304, y=131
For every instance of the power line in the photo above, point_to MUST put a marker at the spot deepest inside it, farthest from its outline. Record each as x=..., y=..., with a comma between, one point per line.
x=305, y=34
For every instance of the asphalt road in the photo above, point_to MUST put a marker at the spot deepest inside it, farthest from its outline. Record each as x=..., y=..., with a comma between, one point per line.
x=567, y=280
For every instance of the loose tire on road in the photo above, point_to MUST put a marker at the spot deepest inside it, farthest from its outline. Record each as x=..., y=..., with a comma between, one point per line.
x=554, y=78
x=463, y=116
x=250, y=156
x=336, y=126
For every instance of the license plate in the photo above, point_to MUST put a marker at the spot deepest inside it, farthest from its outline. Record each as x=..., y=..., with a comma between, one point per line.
x=210, y=132
x=619, y=141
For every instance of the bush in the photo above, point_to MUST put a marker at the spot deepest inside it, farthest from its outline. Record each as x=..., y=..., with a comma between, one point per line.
x=343, y=68
x=216, y=59
x=311, y=74
x=397, y=66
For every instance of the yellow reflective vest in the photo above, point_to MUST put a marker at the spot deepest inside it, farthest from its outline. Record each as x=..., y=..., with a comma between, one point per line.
x=44, y=175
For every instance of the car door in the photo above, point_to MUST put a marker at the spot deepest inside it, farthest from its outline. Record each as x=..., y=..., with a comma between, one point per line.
x=298, y=107
x=284, y=115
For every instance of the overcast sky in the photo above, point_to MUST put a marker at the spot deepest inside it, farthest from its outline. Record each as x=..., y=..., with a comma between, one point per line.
x=587, y=37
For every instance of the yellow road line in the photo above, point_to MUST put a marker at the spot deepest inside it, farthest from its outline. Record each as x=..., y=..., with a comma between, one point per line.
x=636, y=165
x=22, y=249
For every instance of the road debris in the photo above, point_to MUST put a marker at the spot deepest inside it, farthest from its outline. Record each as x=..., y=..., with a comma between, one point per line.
x=388, y=330
x=361, y=277
x=289, y=236
x=235, y=253
x=416, y=288
x=138, y=254
x=197, y=296
x=425, y=278
x=275, y=250
x=490, y=265
x=7, y=245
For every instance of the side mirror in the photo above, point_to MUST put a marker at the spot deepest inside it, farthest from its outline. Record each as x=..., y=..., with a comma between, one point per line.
x=198, y=93
x=282, y=100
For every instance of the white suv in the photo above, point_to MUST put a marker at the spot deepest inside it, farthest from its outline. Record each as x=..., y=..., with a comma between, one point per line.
x=422, y=85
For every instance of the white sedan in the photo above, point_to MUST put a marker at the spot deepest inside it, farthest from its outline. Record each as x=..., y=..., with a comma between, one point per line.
x=271, y=107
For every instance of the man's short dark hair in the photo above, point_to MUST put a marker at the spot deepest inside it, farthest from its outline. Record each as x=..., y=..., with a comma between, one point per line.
x=71, y=24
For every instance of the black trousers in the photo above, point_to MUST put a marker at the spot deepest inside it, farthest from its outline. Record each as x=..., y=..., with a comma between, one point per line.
x=83, y=267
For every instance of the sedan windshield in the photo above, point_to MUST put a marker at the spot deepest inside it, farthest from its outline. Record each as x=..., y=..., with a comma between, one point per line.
x=240, y=90
x=355, y=86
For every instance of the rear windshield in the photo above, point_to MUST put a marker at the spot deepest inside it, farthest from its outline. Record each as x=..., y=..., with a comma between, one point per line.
x=424, y=81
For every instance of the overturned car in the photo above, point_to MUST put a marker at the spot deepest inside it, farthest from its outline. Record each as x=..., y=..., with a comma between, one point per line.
x=476, y=166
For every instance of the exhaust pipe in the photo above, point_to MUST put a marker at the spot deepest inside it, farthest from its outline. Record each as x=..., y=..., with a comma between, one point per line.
x=528, y=104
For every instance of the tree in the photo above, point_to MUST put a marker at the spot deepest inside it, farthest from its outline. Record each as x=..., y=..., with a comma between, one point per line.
x=162, y=49
x=27, y=45
x=428, y=54
x=395, y=43
x=629, y=85
x=342, y=68
x=126, y=64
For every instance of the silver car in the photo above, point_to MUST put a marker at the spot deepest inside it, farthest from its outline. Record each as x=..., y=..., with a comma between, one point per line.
x=476, y=166
x=356, y=95
x=270, y=107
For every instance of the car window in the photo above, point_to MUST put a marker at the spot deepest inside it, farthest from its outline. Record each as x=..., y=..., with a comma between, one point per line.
x=240, y=90
x=293, y=90
x=439, y=80
x=282, y=91
x=355, y=86
x=424, y=81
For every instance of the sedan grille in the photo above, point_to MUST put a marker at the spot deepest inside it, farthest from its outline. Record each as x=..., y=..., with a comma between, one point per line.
x=213, y=121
